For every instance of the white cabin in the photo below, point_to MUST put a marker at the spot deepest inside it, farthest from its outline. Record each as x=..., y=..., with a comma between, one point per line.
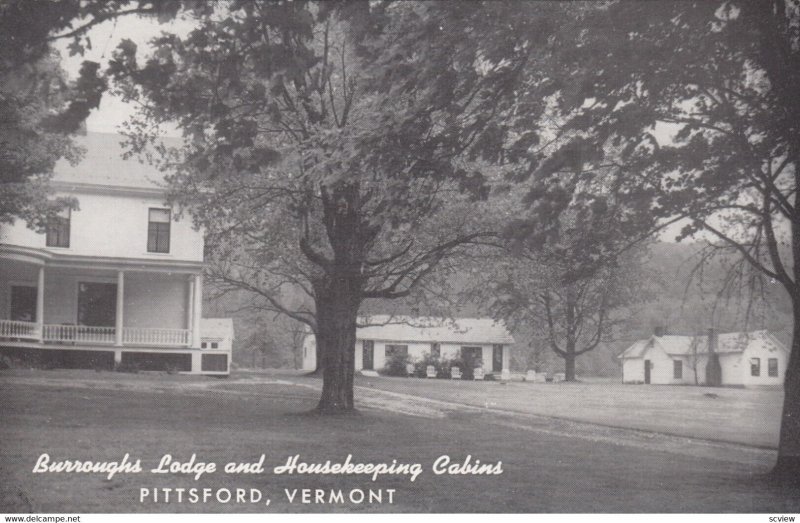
x=746, y=358
x=483, y=341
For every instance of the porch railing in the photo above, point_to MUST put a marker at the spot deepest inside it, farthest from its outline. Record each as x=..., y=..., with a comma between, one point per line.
x=79, y=333
x=19, y=329
x=140, y=336
x=155, y=337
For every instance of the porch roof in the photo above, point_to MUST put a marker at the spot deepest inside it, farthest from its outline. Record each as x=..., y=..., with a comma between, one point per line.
x=52, y=259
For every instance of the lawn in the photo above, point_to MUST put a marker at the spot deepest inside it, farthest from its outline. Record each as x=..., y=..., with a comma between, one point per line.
x=738, y=415
x=548, y=465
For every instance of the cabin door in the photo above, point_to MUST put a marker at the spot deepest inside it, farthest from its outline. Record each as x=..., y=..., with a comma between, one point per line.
x=472, y=357
x=497, y=358
x=368, y=355
x=647, y=371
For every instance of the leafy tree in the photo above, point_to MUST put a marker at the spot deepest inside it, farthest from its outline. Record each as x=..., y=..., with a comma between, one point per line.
x=567, y=284
x=331, y=147
x=721, y=80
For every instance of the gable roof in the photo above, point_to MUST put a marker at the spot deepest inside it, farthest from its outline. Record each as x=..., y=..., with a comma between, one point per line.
x=433, y=330
x=103, y=165
x=218, y=328
x=730, y=342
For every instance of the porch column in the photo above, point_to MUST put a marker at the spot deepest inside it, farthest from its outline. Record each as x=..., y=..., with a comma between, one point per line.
x=40, y=304
x=120, y=306
x=197, y=309
x=190, y=309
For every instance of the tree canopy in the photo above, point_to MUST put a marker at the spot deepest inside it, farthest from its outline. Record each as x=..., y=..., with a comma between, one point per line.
x=335, y=147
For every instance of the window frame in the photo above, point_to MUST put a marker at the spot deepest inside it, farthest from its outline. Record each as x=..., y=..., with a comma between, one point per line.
x=58, y=234
x=755, y=367
x=772, y=370
x=153, y=243
x=11, y=310
x=390, y=348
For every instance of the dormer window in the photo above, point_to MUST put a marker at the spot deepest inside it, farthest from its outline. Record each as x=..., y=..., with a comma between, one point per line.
x=158, y=230
x=58, y=229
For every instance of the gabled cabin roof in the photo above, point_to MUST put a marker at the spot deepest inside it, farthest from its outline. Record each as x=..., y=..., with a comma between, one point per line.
x=433, y=330
x=730, y=342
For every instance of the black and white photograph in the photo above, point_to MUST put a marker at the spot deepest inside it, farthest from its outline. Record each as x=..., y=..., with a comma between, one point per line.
x=399, y=256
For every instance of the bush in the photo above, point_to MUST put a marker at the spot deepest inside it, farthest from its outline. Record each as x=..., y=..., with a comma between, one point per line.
x=396, y=365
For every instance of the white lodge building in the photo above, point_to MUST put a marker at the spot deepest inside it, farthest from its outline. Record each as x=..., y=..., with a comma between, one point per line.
x=746, y=359
x=116, y=281
x=482, y=341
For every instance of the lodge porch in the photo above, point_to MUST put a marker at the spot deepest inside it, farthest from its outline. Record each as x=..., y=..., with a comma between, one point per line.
x=131, y=314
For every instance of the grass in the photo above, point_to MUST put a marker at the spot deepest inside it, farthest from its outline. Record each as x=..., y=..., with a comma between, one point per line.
x=745, y=416
x=549, y=466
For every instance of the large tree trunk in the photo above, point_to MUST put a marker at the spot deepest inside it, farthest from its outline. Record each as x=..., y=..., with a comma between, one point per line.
x=569, y=362
x=338, y=297
x=337, y=311
x=787, y=468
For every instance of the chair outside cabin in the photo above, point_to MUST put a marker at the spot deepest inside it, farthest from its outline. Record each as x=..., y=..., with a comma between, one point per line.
x=455, y=373
x=430, y=371
x=478, y=373
x=410, y=369
x=505, y=375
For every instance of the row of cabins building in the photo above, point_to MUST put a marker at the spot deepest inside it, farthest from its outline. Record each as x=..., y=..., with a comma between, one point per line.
x=478, y=342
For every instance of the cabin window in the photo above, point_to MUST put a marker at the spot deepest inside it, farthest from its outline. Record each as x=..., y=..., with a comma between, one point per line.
x=58, y=229
x=436, y=350
x=214, y=345
x=755, y=366
x=399, y=350
x=203, y=345
x=772, y=367
x=158, y=230
x=677, y=370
